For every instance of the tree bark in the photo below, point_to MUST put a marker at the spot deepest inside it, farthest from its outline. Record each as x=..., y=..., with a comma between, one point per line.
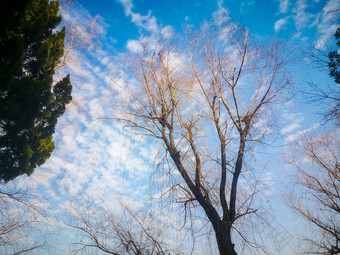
x=223, y=238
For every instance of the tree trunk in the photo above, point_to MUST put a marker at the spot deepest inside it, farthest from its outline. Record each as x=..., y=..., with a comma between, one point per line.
x=223, y=238
x=223, y=234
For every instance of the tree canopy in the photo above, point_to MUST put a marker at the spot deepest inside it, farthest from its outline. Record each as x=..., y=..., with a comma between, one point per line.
x=202, y=101
x=334, y=59
x=30, y=101
x=334, y=72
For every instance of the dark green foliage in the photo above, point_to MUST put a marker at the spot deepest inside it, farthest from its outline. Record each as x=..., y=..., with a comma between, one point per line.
x=334, y=59
x=30, y=103
x=334, y=71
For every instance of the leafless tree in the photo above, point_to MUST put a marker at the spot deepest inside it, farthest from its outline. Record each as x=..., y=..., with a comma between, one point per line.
x=80, y=34
x=127, y=232
x=18, y=217
x=327, y=61
x=77, y=35
x=317, y=197
x=202, y=97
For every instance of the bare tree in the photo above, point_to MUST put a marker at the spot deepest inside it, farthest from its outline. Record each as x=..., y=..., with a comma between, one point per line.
x=317, y=197
x=327, y=60
x=18, y=217
x=128, y=232
x=202, y=98
x=77, y=35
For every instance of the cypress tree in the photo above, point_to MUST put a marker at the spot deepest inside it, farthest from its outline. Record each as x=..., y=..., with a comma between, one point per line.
x=334, y=72
x=31, y=46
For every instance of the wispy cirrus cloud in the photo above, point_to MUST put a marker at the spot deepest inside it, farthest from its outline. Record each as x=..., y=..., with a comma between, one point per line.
x=301, y=16
x=93, y=156
x=128, y=5
x=325, y=20
x=280, y=24
x=295, y=124
x=221, y=15
x=147, y=22
x=284, y=6
x=329, y=20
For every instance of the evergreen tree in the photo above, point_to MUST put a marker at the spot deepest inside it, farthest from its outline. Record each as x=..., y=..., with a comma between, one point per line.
x=30, y=103
x=334, y=59
x=334, y=72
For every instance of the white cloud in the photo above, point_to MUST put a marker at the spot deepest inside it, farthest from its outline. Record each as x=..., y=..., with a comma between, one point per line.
x=152, y=25
x=147, y=22
x=301, y=17
x=291, y=127
x=328, y=23
x=127, y=4
x=297, y=35
x=316, y=20
x=321, y=41
x=295, y=136
x=221, y=15
x=280, y=24
x=325, y=20
x=134, y=46
x=331, y=11
x=167, y=32
x=298, y=134
x=284, y=6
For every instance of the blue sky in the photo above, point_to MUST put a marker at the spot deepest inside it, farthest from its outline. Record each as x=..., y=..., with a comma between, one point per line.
x=96, y=158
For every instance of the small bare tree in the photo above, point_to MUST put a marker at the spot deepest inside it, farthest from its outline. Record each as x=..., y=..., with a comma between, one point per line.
x=128, y=232
x=327, y=60
x=77, y=35
x=18, y=216
x=317, y=199
x=202, y=98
